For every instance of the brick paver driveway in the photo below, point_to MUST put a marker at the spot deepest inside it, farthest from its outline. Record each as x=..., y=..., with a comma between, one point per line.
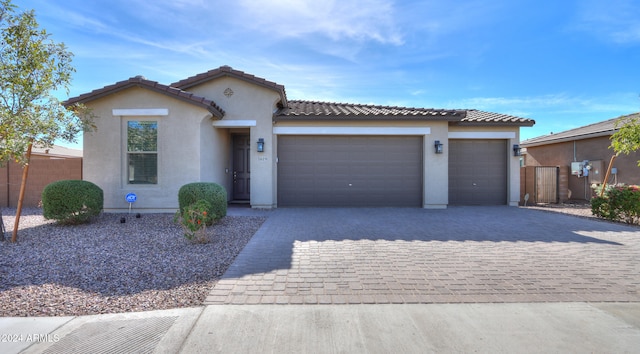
x=461, y=254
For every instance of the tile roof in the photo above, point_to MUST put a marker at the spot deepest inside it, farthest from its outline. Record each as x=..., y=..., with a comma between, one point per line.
x=57, y=151
x=476, y=117
x=229, y=71
x=140, y=81
x=604, y=128
x=312, y=110
x=300, y=110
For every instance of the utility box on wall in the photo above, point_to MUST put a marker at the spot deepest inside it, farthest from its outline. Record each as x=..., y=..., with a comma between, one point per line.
x=576, y=169
x=596, y=175
x=581, y=168
x=592, y=169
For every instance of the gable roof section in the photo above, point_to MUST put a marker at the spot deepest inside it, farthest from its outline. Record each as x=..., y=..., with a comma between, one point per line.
x=476, y=117
x=229, y=71
x=604, y=128
x=140, y=81
x=314, y=111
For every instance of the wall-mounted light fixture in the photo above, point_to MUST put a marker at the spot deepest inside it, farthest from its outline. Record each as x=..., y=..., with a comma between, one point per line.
x=261, y=145
x=517, y=150
x=438, y=146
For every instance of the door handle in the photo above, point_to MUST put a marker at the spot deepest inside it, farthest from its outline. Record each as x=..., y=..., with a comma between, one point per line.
x=235, y=176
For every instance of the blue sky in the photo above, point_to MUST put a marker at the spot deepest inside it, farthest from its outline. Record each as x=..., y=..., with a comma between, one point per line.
x=563, y=63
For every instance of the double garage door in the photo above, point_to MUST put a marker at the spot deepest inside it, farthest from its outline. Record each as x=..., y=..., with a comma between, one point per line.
x=385, y=171
x=350, y=170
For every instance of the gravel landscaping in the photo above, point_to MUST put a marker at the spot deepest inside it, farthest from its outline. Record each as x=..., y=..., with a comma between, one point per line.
x=108, y=267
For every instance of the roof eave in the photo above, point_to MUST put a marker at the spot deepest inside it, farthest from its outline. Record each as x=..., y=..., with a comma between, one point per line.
x=237, y=74
x=550, y=141
x=97, y=94
x=315, y=118
x=500, y=124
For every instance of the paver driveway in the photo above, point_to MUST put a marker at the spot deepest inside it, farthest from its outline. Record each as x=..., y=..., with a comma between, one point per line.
x=461, y=254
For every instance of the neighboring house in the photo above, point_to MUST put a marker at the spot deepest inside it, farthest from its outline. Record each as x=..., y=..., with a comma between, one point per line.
x=47, y=165
x=572, y=148
x=241, y=131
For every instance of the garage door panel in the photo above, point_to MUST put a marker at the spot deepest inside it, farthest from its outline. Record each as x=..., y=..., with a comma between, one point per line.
x=350, y=171
x=477, y=172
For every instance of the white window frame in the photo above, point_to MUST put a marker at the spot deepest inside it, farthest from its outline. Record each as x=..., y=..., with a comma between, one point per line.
x=127, y=153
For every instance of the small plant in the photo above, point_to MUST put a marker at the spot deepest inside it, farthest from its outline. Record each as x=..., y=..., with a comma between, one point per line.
x=72, y=201
x=619, y=203
x=213, y=193
x=193, y=220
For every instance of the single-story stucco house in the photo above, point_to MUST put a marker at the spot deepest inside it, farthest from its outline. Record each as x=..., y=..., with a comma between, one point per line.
x=241, y=131
x=582, y=156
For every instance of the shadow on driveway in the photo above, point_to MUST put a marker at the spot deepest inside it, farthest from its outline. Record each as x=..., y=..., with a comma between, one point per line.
x=271, y=247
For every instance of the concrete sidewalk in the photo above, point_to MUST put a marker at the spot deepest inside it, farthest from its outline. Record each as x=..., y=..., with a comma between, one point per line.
x=400, y=328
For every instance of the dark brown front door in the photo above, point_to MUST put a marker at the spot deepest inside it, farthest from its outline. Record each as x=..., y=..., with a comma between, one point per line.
x=241, y=170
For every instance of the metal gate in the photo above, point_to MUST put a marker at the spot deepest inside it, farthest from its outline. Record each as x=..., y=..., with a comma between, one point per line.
x=546, y=186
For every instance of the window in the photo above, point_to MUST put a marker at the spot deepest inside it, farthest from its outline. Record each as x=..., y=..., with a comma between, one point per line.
x=142, y=152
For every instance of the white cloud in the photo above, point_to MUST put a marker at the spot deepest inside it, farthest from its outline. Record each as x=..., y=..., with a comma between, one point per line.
x=358, y=20
x=615, y=20
x=557, y=103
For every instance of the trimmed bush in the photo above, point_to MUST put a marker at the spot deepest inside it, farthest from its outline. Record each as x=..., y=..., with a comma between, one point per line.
x=72, y=201
x=619, y=203
x=213, y=193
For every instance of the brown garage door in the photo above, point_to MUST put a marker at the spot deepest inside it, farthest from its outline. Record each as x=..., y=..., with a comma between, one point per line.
x=350, y=170
x=477, y=172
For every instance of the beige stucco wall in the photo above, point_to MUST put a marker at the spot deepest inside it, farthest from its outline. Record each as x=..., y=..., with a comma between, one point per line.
x=512, y=136
x=436, y=170
x=248, y=103
x=179, y=154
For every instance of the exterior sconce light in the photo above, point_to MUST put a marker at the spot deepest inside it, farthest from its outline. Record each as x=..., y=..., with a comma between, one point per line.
x=438, y=146
x=261, y=145
x=517, y=150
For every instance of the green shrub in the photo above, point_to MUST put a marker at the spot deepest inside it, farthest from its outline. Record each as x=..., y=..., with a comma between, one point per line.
x=193, y=220
x=619, y=203
x=72, y=201
x=213, y=193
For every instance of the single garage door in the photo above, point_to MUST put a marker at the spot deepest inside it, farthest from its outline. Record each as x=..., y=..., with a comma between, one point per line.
x=477, y=172
x=350, y=170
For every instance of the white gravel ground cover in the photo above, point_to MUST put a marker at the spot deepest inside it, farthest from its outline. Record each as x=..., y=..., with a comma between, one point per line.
x=107, y=266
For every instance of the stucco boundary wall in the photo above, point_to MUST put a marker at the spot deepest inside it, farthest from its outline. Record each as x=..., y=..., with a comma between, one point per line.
x=42, y=171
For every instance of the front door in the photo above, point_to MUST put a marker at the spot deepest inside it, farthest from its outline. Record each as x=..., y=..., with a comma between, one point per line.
x=241, y=171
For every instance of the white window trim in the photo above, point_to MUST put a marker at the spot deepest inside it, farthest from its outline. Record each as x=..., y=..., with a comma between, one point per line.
x=140, y=112
x=125, y=160
x=482, y=135
x=234, y=123
x=352, y=130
